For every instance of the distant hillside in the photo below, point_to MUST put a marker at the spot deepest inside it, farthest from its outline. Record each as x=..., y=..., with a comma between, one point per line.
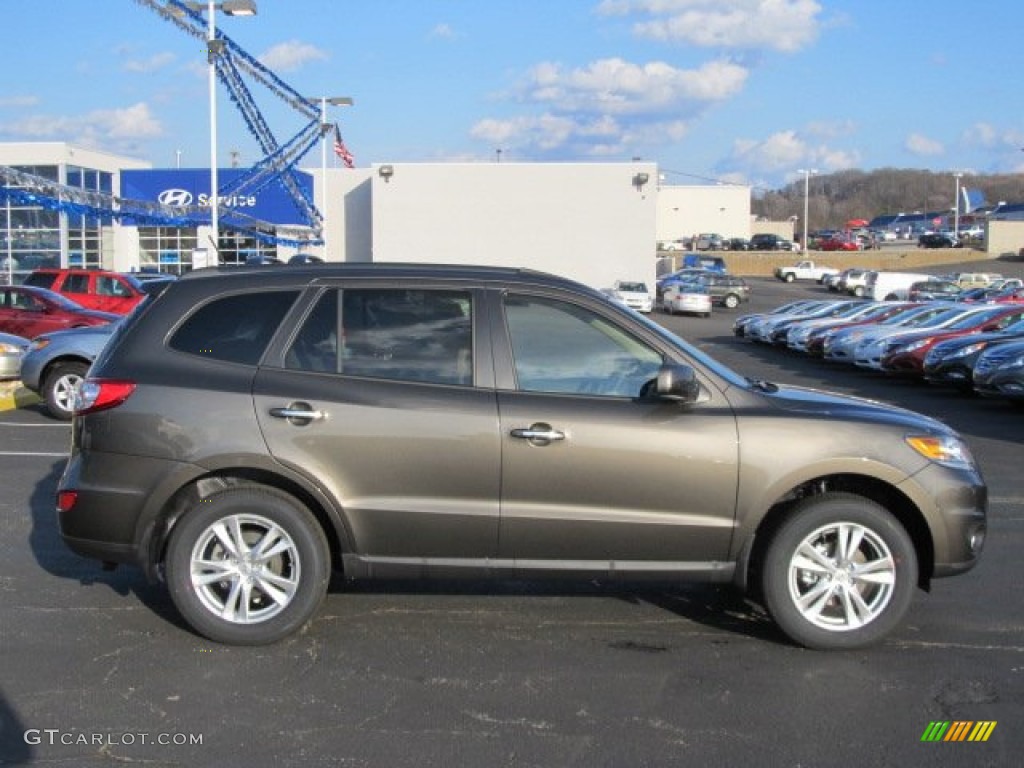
x=836, y=198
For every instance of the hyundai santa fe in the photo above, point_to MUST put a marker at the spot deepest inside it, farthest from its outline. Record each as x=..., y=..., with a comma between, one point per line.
x=249, y=431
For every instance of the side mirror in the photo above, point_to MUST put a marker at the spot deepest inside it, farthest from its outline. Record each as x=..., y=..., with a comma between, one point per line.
x=677, y=382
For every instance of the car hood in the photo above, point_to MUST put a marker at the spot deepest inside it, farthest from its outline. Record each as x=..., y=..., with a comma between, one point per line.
x=817, y=402
x=974, y=338
x=88, y=330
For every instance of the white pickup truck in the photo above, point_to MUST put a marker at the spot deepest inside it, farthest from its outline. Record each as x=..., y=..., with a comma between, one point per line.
x=804, y=270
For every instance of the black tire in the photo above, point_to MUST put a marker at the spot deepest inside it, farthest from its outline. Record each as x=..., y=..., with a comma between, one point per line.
x=298, y=570
x=730, y=301
x=813, y=526
x=59, y=387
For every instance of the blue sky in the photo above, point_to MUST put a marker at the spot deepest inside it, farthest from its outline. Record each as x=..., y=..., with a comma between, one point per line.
x=746, y=91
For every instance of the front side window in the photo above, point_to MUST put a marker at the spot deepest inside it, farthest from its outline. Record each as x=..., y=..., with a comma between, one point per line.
x=399, y=334
x=76, y=284
x=564, y=348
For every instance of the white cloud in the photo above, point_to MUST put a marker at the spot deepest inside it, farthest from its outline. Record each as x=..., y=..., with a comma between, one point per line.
x=783, y=25
x=101, y=127
x=153, y=63
x=290, y=56
x=615, y=86
x=610, y=107
x=443, y=32
x=919, y=144
x=785, y=151
x=18, y=101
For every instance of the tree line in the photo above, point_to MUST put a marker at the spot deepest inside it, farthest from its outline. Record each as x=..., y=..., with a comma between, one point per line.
x=833, y=199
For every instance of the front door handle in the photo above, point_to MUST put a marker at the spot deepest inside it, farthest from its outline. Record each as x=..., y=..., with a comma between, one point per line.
x=298, y=414
x=539, y=434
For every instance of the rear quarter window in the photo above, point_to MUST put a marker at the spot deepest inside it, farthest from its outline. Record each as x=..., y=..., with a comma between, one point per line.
x=235, y=328
x=41, y=280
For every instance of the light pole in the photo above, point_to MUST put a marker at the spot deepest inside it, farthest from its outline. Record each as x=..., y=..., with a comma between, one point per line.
x=807, y=189
x=213, y=50
x=323, y=101
x=956, y=207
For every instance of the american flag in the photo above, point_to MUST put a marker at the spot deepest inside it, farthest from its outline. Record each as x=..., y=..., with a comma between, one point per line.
x=341, y=150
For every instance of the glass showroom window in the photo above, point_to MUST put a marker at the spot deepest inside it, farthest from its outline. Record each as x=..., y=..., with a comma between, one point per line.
x=32, y=231
x=85, y=233
x=166, y=249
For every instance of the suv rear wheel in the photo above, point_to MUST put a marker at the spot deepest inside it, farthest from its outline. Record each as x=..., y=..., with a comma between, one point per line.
x=247, y=566
x=840, y=573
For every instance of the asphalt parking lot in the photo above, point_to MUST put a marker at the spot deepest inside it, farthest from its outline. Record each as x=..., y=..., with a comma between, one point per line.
x=96, y=666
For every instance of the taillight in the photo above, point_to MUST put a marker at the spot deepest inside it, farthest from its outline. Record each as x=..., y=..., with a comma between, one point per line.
x=99, y=394
x=66, y=500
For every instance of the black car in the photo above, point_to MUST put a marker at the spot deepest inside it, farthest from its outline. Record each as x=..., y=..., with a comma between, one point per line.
x=937, y=240
x=999, y=372
x=251, y=430
x=770, y=242
x=951, y=362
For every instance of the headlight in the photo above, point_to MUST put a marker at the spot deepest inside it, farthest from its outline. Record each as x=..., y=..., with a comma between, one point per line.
x=917, y=345
x=946, y=450
x=970, y=349
x=9, y=349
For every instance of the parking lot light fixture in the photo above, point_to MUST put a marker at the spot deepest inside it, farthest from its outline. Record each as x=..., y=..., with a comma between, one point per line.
x=213, y=50
x=325, y=129
x=807, y=187
x=956, y=206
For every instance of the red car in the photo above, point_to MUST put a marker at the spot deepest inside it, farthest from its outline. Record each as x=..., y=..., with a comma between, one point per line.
x=91, y=288
x=839, y=244
x=29, y=312
x=906, y=356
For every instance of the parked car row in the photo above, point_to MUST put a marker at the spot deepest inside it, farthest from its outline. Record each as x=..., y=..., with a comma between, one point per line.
x=972, y=347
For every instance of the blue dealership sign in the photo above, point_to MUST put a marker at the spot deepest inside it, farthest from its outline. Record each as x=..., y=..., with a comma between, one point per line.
x=191, y=187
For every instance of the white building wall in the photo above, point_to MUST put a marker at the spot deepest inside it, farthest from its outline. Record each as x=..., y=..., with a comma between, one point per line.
x=684, y=211
x=588, y=222
x=348, y=231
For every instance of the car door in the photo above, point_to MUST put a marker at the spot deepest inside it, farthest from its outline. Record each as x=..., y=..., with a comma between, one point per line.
x=593, y=474
x=378, y=398
x=112, y=293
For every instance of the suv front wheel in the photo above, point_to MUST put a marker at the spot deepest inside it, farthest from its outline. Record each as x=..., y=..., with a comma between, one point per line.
x=247, y=566
x=839, y=573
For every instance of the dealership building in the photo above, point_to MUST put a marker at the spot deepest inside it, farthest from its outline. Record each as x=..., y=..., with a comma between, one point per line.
x=594, y=222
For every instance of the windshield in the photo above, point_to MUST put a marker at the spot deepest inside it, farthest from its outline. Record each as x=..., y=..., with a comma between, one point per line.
x=977, y=318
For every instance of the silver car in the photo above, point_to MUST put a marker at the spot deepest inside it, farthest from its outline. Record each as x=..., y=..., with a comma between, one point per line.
x=56, y=363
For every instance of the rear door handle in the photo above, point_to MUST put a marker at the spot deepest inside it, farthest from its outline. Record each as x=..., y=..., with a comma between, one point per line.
x=298, y=413
x=538, y=434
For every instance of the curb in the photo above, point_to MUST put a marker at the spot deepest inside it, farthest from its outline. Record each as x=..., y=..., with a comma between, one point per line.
x=13, y=395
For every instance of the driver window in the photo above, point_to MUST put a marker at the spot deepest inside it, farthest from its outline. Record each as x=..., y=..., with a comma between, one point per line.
x=564, y=348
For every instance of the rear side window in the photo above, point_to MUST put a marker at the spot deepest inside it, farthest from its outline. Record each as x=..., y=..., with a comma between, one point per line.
x=235, y=328
x=399, y=334
x=41, y=279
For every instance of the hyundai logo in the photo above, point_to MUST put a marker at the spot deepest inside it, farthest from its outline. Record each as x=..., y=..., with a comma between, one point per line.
x=175, y=197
